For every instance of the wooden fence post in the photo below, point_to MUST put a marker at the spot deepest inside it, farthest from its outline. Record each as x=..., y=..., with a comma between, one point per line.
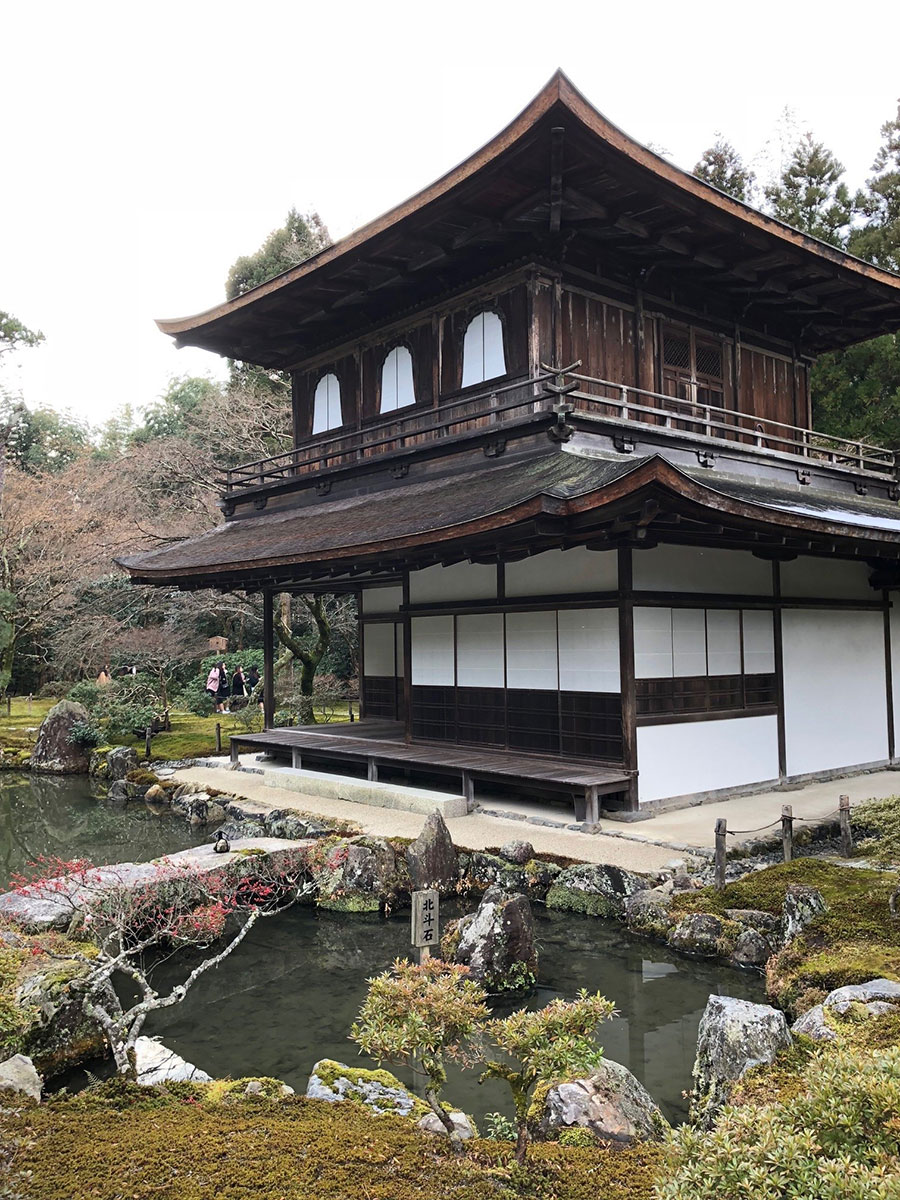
x=29, y=704
x=721, y=853
x=9, y=706
x=218, y=738
x=787, y=831
x=846, y=833
x=148, y=741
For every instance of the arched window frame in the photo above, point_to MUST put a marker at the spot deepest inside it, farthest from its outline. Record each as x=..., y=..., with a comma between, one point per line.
x=329, y=406
x=399, y=393
x=474, y=373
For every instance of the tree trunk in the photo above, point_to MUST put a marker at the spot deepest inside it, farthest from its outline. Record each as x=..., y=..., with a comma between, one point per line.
x=309, y=659
x=444, y=1117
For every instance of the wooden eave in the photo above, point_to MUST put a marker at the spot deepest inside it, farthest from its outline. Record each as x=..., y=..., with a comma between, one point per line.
x=528, y=191
x=522, y=507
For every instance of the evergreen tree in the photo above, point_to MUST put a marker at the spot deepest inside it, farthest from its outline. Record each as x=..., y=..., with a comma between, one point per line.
x=878, y=240
x=723, y=167
x=301, y=236
x=856, y=392
x=810, y=194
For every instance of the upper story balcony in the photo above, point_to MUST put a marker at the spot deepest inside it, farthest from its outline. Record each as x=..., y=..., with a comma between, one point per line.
x=610, y=407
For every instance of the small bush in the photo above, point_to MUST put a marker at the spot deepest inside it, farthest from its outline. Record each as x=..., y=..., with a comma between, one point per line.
x=499, y=1127
x=879, y=821
x=55, y=689
x=85, y=734
x=85, y=692
x=196, y=699
x=838, y=1139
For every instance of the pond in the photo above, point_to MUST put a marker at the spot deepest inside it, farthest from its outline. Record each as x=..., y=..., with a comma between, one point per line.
x=289, y=994
x=291, y=991
x=68, y=816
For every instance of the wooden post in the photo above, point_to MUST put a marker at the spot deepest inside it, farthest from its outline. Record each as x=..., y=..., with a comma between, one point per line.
x=846, y=834
x=296, y=759
x=148, y=741
x=268, y=660
x=9, y=706
x=218, y=738
x=721, y=853
x=234, y=751
x=787, y=831
x=29, y=704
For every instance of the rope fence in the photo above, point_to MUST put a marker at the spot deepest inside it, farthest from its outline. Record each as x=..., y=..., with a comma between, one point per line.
x=787, y=820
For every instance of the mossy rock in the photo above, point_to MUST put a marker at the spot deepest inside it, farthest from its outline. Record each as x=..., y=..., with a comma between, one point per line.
x=142, y=777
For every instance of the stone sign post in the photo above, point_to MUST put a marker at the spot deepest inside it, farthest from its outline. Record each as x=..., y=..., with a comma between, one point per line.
x=424, y=929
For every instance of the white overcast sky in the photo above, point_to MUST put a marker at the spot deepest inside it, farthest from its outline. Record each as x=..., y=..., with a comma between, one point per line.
x=146, y=145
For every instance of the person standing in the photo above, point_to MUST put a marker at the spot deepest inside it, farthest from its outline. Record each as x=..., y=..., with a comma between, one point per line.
x=212, y=685
x=222, y=692
x=238, y=687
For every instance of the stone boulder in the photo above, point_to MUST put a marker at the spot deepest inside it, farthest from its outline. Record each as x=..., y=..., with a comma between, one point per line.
x=54, y=751
x=599, y=891
x=120, y=760
x=57, y=1033
x=647, y=911
x=611, y=1103
x=118, y=792
x=802, y=905
x=480, y=870
x=156, y=1063
x=18, y=1075
x=734, y=1036
x=858, y=1000
x=752, y=949
x=814, y=1024
x=431, y=858
x=379, y=1091
x=359, y=875
x=698, y=934
x=497, y=943
x=463, y=1127
x=518, y=852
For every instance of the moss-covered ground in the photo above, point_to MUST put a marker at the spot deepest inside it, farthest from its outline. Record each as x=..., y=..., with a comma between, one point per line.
x=190, y=736
x=855, y=940
x=183, y=1143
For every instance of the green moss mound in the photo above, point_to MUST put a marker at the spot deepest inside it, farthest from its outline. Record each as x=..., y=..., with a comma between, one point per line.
x=854, y=941
x=879, y=821
x=182, y=1142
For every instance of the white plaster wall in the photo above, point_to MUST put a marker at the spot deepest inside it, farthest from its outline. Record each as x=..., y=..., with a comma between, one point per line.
x=378, y=648
x=556, y=572
x=432, y=651
x=589, y=650
x=692, y=569
x=826, y=579
x=895, y=659
x=835, y=708
x=382, y=600
x=703, y=756
x=653, y=643
x=479, y=650
x=461, y=581
x=531, y=652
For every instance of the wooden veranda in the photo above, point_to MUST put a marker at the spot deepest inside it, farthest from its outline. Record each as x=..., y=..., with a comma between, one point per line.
x=381, y=746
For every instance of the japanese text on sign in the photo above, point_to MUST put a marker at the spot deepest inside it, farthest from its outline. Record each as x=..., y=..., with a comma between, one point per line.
x=425, y=918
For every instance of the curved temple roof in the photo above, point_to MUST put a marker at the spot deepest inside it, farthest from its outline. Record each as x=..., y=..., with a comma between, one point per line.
x=610, y=189
x=580, y=497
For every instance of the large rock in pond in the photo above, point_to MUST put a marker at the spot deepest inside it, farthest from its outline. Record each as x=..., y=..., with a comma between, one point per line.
x=54, y=751
x=56, y=1033
x=120, y=760
x=431, y=858
x=611, y=1103
x=496, y=943
x=734, y=1036
x=859, y=1001
x=156, y=1063
x=598, y=890
x=360, y=874
x=17, y=1075
x=379, y=1091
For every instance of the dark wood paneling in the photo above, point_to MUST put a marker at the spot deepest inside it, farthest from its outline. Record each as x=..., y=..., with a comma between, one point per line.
x=705, y=694
x=304, y=390
x=380, y=695
x=599, y=333
x=591, y=725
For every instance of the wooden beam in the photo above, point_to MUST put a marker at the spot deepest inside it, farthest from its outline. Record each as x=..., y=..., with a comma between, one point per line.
x=557, y=144
x=268, y=660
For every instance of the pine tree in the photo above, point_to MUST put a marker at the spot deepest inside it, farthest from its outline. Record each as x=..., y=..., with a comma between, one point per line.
x=878, y=240
x=810, y=195
x=723, y=167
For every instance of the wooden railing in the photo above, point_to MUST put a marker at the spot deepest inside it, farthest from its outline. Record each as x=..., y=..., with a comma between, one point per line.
x=615, y=402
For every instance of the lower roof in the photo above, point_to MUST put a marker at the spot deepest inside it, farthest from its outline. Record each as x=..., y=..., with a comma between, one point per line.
x=501, y=503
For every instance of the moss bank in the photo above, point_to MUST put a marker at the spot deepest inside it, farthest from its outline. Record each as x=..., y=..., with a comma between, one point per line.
x=181, y=1143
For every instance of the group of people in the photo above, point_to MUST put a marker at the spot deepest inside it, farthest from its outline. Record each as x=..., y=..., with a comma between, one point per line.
x=224, y=691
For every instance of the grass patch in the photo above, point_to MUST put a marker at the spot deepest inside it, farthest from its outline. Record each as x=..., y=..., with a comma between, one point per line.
x=183, y=1141
x=854, y=941
x=880, y=822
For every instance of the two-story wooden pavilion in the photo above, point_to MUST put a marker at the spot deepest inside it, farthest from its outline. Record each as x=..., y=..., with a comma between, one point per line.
x=552, y=425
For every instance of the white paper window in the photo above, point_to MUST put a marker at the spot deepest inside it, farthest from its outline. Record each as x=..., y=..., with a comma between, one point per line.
x=479, y=650
x=589, y=650
x=688, y=642
x=397, y=387
x=531, y=656
x=327, y=404
x=759, y=642
x=483, y=356
x=432, y=651
x=723, y=641
x=653, y=643
x=379, y=649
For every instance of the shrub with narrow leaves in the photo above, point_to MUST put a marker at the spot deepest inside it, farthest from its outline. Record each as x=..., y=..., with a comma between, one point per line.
x=838, y=1139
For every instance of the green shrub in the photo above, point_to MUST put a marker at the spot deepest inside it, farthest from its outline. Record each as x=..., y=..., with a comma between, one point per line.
x=500, y=1127
x=879, y=821
x=85, y=692
x=196, y=699
x=837, y=1139
x=85, y=734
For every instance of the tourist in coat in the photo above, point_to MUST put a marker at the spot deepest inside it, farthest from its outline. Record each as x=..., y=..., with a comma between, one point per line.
x=212, y=685
x=223, y=690
x=238, y=688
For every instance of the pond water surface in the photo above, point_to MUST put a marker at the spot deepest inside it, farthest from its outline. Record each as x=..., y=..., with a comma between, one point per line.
x=289, y=994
